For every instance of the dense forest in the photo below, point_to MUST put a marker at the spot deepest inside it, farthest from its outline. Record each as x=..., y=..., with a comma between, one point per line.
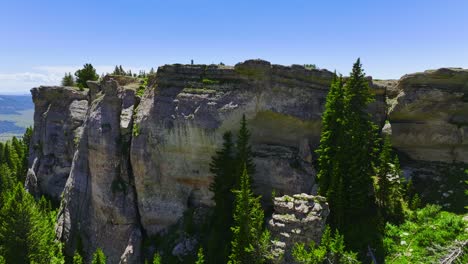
x=376, y=216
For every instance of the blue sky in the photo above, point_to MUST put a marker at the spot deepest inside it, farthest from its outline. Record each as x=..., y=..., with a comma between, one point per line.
x=40, y=40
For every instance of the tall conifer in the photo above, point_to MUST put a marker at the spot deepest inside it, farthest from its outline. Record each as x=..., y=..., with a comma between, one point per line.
x=223, y=167
x=247, y=229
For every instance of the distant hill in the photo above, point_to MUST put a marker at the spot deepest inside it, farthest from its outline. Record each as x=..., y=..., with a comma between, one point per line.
x=16, y=114
x=12, y=104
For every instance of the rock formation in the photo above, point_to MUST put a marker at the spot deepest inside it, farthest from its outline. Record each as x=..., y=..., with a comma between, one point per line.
x=131, y=166
x=297, y=219
x=429, y=118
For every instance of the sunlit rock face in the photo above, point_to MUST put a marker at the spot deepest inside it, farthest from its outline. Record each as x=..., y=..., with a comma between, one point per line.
x=429, y=119
x=181, y=120
x=58, y=118
x=98, y=208
x=125, y=166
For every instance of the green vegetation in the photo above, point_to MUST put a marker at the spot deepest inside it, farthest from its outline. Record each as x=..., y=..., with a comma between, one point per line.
x=222, y=166
x=136, y=129
x=249, y=244
x=425, y=237
x=27, y=227
x=99, y=257
x=207, y=81
x=200, y=257
x=88, y=73
x=157, y=259
x=77, y=259
x=199, y=91
x=347, y=153
x=310, y=66
x=330, y=250
x=68, y=80
x=227, y=165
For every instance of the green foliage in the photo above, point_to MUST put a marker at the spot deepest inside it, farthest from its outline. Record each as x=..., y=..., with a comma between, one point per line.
x=426, y=236
x=347, y=154
x=247, y=229
x=310, y=66
x=88, y=73
x=207, y=81
x=200, y=257
x=330, y=250
x=136, y=129
x=141, y=89
x=27, y=234
x=99, y=257
x=223, y=167
x=68, y=80
x=77, y=259
x=157, y=258
x=387, y=186
x=244, y=156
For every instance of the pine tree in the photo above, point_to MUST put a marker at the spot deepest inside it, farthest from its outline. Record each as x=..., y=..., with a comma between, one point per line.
x=244, y=154
x=68, y=80
x=223, y=167
x=331, y=161
x=157, y=258
x=99, y=257
x=88, y=73
x=26, y=234
x=388, y=186
x=77, y=259
x=247, y=229
x=200, y=257
x=347, y=156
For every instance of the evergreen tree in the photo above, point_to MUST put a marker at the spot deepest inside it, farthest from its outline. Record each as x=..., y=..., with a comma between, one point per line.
x=157, y=258
x=68, y=80
x=247, y=229
x=330, y=250
x=99, y=257
x=200, y=257
x=330, y=161
x=388, y=187
x=347, y=156
x=244, y=154
x=223, y=167
x=26, y=234
x=88, y=73
x=77, y=259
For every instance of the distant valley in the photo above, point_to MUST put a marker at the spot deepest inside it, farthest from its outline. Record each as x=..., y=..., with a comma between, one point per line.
x=16, y=114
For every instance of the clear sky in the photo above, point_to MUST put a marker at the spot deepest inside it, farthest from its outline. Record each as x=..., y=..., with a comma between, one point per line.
x=40, y=40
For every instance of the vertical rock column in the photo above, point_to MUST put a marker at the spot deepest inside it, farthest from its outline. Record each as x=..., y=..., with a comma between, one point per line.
x=99, y=205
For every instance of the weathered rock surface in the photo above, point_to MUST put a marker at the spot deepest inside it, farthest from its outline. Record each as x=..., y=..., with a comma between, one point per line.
x=296, y=219
x=429, y=120
x=129, y=172
x=99, y=201
x=181, y=121
x=58, y=118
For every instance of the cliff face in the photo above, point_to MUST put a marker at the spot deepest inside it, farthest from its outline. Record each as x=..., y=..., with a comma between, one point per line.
x=429, y=117
x=129, y=167
x=58, y=118
x=179, y=125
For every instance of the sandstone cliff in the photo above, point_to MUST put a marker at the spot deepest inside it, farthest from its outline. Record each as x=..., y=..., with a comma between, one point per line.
x=130, y=167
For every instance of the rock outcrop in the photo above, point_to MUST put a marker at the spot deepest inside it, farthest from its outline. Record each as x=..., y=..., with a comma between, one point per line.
x=180, y=122
x=58, y=118
x=429, y=119
x=99, y=201
x=127, y=166
x=296, y=219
